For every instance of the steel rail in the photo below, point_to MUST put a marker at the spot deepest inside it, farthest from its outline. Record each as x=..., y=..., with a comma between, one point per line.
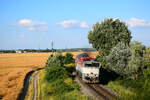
x=98, y=91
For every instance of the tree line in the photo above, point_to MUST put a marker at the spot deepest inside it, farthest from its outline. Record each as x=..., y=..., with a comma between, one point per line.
x=48, y=50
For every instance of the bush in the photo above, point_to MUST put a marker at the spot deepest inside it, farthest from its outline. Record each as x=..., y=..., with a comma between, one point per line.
x=68, y=58
x=55, y=73
x=55, y=60
x=60, y=87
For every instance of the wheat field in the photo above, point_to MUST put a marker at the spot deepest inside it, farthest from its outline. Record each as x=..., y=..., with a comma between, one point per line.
x=14, y=67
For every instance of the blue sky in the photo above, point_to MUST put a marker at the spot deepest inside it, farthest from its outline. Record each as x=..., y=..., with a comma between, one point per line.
x=35, y=23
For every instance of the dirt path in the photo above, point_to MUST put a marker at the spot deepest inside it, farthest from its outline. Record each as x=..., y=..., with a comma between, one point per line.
x=35, y=85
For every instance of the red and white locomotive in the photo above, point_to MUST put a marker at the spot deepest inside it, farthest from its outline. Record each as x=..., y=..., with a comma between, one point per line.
x=87, y=68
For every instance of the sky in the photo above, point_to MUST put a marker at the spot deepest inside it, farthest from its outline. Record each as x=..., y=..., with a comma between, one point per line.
x=34, y=24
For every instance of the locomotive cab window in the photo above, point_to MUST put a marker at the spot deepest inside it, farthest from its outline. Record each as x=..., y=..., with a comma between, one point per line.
x=88, y=65
x=95, y=64
x=92, y=65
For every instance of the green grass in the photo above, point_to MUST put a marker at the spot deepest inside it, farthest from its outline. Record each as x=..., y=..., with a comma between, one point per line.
x=123, y=92
x=129, y=89
x=59, y=89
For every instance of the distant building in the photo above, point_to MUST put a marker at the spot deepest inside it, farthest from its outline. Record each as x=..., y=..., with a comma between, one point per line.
x=18, y=51
x=24, y=51
x=80, y=50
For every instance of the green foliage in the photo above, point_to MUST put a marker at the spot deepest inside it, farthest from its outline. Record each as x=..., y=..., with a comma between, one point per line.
x=130, y=89
x=145, y=91
x=118, y=59
x=55, y=68
x=60, y=87
x=136, y=63
x=146, y=57
x=54, y=73
x=68, y=58
x=147, y=73
x=55, y=60
x=106, y=35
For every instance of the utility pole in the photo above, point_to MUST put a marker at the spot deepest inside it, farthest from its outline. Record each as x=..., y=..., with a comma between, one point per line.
x=39, y=47
x=52, y=44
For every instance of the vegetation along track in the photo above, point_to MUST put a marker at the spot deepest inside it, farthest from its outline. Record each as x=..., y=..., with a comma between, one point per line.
x=98, y=91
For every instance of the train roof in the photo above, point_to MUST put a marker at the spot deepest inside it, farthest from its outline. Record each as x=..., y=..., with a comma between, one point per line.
x=82, y=55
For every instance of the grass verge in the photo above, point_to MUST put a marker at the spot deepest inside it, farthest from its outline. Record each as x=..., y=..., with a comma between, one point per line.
x=59, y=90
x=129, y=89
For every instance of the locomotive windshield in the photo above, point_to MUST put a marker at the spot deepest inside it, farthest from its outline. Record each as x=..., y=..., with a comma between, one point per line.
x=92, y=65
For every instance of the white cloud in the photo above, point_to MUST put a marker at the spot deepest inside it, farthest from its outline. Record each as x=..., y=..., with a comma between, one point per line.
x=21, y=36
x=32, y=25
x=72, y=23
x=134, y=22
x=83, y=25
x=38, y=28
x=31, y=29
x=27, y=22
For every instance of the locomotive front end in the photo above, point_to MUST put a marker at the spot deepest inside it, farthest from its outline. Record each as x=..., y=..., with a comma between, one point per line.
x=91, y=72
x=87, y=68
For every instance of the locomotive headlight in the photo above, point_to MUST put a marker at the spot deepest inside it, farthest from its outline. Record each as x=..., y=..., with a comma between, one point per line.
x=86, y=74
x=96, y=75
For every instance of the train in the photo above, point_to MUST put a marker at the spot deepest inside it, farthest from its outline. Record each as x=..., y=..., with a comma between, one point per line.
x=87, y=68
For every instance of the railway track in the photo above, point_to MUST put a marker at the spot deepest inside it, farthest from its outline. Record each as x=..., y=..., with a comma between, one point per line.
x=98, y=91
x=102, y=92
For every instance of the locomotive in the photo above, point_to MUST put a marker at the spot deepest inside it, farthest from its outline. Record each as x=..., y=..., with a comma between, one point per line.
x=87, y=68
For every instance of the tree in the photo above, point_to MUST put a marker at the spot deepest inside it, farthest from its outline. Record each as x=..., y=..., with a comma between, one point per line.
x=118, y=59
x=107, y=34
x=146, y=57
x=136, y=63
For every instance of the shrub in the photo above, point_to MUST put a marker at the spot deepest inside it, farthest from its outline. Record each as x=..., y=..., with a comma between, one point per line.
x=68, y=58
x=55, y=73
x=55, y=60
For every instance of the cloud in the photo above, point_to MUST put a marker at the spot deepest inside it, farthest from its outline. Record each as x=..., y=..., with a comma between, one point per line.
x=32, y=25
x=38, y=28
x=21, y=36
x=83, y=25
x=72, y=23
x=27, y=22
x=134, y=22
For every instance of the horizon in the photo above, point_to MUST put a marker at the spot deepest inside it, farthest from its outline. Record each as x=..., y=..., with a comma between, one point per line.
x=35, y=24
